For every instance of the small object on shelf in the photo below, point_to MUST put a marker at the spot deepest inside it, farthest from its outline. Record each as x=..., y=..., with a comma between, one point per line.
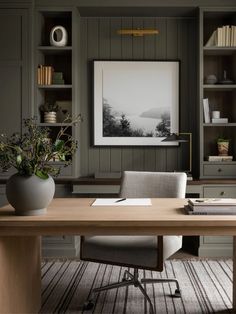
x=49, y=112
x=211, y=79
x=50, y=117
x=64, y=109
x=57, y=78
x=206, y=110
x=219, y=120
x=225, y=79
x=58, y=36
x=44, y=75
x=220, y=158
x=215, y=114
x=223, y=146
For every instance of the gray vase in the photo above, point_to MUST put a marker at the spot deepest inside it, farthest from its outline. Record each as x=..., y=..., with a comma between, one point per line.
x=29, y=195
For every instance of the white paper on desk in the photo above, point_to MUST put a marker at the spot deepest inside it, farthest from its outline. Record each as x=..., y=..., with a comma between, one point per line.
x=127, y=202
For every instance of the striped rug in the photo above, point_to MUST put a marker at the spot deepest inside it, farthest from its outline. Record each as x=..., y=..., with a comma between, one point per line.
x=206, y=288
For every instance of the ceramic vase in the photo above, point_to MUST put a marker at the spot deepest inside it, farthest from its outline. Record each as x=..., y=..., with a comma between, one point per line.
x=58, y=36
x=50, y=117
x=29, y=195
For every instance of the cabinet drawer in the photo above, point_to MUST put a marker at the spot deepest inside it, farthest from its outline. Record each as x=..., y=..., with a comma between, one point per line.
x=218, y=240
x=58, y=239
x=219, y=191
x=219, y=170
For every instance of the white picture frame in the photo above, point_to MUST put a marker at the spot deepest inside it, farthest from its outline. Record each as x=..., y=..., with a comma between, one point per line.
x=136, y=103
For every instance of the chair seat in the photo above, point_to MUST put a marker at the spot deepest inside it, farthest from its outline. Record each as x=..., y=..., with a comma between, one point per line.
x=136, y=251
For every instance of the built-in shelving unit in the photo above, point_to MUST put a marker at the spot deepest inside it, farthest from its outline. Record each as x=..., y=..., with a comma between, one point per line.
x=217, y=61
x=61, y=60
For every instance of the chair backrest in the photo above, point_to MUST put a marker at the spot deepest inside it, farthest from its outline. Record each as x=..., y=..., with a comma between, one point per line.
x=153, y=184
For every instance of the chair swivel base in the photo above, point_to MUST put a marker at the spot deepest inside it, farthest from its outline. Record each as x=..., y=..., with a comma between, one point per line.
x=132, y=280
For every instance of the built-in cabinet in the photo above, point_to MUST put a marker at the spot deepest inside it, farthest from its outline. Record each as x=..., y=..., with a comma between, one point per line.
x=56, y=83
x=14, y=71
x=218, y=86
x=56, y=73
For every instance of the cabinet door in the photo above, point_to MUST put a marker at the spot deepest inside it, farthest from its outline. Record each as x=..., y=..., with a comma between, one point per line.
x=14, y=65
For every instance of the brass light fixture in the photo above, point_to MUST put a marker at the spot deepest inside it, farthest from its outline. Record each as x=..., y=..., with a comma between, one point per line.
x=138, y=32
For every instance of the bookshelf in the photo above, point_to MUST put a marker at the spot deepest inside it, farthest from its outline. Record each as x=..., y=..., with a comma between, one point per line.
x=55, y=75
x=218, y=60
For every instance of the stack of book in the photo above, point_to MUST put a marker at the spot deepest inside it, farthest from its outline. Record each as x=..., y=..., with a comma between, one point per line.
x=219, y=120
x=224, y=36
x=44, y=74
x=211, y=206
x=220, y=158
x=57, y=78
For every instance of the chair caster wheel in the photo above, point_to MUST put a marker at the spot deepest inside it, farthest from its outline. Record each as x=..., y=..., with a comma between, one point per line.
x=177, y=293
x=88, y=305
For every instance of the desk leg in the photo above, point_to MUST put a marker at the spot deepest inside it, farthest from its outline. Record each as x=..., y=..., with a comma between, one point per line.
x=234, y=273
x=20, y=274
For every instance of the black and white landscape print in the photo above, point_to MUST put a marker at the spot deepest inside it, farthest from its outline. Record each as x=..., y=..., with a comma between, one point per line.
x=153, y=122
x=139, y=102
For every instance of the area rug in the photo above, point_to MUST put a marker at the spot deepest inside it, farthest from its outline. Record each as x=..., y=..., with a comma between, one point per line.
x=206, y=288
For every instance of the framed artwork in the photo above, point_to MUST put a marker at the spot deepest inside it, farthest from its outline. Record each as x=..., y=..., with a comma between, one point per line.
x=136, y=103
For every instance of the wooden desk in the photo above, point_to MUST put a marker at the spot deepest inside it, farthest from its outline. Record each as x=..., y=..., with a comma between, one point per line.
x=20, y=281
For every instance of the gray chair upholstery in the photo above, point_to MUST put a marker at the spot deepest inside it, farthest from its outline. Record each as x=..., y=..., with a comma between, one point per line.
x=139, y=252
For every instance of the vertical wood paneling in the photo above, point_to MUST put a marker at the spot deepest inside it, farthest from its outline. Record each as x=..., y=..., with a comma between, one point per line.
x=161, y=54
x=104, y=53
x=149, y=54
x=184, y=101
x=93, y=52
x=172, y=53
x=116, y=53
x=138, y=54
x=84, y=142
x=127, y=54
x=101, y=41
x=193, y=114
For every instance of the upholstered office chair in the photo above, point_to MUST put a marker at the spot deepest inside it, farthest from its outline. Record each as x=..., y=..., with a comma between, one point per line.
x=138, y=252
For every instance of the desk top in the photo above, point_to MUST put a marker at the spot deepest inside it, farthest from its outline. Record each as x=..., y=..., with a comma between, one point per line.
x=76, y=216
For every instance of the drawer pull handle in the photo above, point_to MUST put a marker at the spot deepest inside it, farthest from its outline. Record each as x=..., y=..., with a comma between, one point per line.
x=219, y=170
x=222, y=193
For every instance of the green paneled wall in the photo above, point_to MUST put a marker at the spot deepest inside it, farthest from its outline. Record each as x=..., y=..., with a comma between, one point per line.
x=177, y=40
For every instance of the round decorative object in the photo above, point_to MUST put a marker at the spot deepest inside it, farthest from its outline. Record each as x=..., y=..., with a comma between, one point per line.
x=50, y=117
x=58, y=36
x=211, y=79
x=29, y=195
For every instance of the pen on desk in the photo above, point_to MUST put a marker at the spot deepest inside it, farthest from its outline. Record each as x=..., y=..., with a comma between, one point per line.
x=120, y=200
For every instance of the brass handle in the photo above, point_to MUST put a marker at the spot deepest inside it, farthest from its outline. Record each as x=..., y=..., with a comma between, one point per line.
x=219, y=170
x=222, y=193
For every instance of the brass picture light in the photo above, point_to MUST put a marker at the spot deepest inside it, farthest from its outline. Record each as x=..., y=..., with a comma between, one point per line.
x=138, y=32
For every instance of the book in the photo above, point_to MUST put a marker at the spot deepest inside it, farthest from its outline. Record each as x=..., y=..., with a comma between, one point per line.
x=219, y=120
x=227, y=211
x=206, y=110
x=200, y=202
x=220, y=158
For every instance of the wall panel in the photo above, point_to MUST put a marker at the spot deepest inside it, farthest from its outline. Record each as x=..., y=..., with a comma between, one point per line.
x=100, y=41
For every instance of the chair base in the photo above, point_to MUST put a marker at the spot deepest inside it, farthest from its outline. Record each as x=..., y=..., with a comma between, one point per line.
x=132, y=280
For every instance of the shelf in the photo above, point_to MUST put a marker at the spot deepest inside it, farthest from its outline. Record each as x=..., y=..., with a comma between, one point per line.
x=68, y=86
x=54, y=124
x=219, y=124
x=219, y=162
x=55, y=50
x=215, y=51
x=220, y=87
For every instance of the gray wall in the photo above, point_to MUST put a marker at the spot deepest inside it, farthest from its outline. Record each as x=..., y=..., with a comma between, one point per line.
x=177, y=40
